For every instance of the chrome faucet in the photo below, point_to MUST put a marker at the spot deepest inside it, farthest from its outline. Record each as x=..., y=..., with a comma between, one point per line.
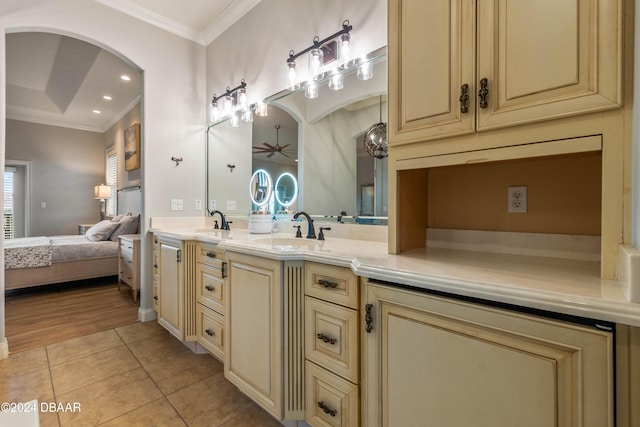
x=311, y=231
x=225, y=223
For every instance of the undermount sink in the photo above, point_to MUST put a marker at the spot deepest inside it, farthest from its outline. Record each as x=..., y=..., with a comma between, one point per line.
x=288, y=243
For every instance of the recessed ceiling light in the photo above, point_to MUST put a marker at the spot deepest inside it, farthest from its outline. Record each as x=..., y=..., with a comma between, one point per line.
x=125, y=77
x=107, y=97
x=97, y=111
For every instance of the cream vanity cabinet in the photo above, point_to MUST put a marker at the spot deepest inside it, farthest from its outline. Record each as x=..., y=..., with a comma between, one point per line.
x=211, y=272
x=433, y=361
x=332, y=344
x=263, y=342
x=170, y=277
x=461, y=66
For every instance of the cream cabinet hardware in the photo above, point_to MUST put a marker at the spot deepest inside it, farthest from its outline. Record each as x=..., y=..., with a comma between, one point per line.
x=326, y=339
x=368, y=318
x=464, y=98
x=210, y=332
x=483, y=93
x=211, y=254
x=327, y=284
x=326, y=409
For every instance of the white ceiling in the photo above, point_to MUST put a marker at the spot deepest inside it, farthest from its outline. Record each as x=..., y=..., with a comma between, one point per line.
x=57, y=80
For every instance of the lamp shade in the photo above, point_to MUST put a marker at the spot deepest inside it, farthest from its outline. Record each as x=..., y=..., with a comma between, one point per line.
x=102, y=191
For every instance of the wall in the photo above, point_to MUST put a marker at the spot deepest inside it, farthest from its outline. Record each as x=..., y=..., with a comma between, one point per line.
x=173, y=104
x=114, y=137
x=65, y=165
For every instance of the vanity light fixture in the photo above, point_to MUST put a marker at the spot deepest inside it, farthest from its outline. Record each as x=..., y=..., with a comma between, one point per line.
x=321, y=52
x=225, y=104
x=365, y=69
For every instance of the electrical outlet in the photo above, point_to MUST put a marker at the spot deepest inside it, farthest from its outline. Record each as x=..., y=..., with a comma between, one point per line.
x=176, y=204
x=517, y=199
x=198, y=206
x=231, y=205
x=212, y=205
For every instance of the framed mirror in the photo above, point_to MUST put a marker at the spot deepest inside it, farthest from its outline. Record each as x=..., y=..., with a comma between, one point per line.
x=319, y=142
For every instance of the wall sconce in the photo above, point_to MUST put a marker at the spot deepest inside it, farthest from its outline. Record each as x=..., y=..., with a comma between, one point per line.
x=229, y=101
x=102, y=192
x=321, y=52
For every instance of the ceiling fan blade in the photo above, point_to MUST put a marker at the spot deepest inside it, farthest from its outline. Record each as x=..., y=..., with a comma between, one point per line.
x=272, y=147
x=282, y=147
x=271, y=154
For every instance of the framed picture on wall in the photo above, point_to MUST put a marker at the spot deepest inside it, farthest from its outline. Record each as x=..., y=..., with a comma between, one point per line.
x=132, y=147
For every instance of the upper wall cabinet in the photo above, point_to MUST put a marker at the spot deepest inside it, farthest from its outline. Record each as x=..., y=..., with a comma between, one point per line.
x=459, y=66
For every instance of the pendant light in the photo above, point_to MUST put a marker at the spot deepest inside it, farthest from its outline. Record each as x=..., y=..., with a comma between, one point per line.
x=375, y=139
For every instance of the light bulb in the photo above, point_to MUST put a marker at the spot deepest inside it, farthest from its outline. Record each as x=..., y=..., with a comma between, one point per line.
x=261, y=109
x=336, y=81
x=242, y=97
x=345, y=41
x=316, y=61
x=215, y=111
x=292, y=75
x=247, y=115
x=227, y=105
x=365, y=70
x=311, y=90
x=235, y=121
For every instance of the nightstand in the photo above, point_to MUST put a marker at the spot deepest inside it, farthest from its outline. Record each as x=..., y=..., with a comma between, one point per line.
x=129, y=262
x=82, y=228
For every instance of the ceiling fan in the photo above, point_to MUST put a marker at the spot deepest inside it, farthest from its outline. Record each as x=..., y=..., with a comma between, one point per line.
x=270, y=149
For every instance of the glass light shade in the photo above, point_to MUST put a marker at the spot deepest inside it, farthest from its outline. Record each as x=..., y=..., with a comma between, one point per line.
x=345, y=55
x=247, y=115
x=242, y=97
x=102, y=191
x=336, y=81
x=365, y=70
x=311, y=90
x=215, y=112
x=292, y=75
x=316, y=61
x=235, y=121
x=261, y=109
x=227, y=105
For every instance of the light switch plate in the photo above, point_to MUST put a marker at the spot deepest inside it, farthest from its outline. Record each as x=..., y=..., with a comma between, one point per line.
x=176, y=204
x=212, y=205
x=231, y=205
x=198, y=205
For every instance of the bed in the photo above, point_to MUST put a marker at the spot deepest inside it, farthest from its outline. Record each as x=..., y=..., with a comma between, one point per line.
x=44, y=260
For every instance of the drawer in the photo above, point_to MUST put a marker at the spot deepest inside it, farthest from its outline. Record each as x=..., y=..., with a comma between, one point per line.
x=330, y=400
x=331, y=337
x=331, y=283
x=212, y=256
x=126, y=271
x=210, y=287
x=209, y=329
x=126, y=246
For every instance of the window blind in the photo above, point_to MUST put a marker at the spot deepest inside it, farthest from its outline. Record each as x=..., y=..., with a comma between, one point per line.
x=112, y=180
x=9, y=219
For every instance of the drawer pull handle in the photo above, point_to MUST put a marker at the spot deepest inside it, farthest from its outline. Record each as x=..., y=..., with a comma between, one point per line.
x=326, y=409
x=464, y=98
x=211, y=255
x=155, y=265
x=327, y=284
x=155, y=298
x=210, y=288
x=326, y=339
x=368, y=318
x=210, y=332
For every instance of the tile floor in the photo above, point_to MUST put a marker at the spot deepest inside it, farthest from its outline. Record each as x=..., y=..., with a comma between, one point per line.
x=135, y=375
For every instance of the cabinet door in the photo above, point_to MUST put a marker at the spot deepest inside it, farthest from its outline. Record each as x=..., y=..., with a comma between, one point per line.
x=546, y=59
x=253, y=319
x=431, y=56
x=171, y=289
x=438, y=362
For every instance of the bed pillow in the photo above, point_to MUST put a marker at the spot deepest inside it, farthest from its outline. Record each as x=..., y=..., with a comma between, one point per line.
x=128, y=225
x=101, y=231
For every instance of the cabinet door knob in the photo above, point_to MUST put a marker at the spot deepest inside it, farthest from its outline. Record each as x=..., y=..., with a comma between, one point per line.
x=210, y=288
x=464, y=98
x=326, y=339
x=327, y=284
x=210, y=332
x=483, y=93
x=155, y=298
x=326, y=409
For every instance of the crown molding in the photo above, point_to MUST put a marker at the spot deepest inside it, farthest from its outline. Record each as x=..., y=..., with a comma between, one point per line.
x=226, y=19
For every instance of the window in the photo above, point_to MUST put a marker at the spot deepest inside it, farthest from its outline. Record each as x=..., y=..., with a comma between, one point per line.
x=112, y=180
x=9, y=214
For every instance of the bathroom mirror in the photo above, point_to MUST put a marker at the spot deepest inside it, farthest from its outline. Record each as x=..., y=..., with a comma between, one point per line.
x=319, y=142
x=260, y=188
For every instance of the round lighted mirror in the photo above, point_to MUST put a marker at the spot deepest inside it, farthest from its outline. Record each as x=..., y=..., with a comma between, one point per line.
x=286, y=190
x=260, y=187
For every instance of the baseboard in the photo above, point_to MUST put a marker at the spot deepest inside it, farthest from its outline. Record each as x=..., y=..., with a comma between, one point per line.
x=146, y=314
x=4, y=348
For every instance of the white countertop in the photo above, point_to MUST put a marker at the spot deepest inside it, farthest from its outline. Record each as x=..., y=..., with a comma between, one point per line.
x=558, y=285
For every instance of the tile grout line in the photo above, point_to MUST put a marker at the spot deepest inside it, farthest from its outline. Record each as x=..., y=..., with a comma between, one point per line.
x=53, y=387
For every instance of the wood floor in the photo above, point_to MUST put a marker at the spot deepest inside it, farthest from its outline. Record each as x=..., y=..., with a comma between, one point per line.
x=56, y=313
